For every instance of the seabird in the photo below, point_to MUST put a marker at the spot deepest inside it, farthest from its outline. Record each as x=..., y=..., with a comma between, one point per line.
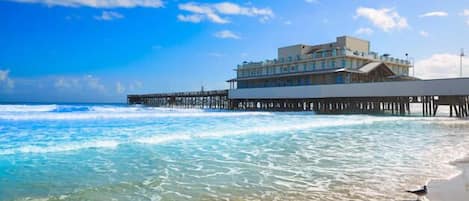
x=420, y=193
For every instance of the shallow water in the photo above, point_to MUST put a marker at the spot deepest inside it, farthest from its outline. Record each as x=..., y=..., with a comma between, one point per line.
x=115, y=152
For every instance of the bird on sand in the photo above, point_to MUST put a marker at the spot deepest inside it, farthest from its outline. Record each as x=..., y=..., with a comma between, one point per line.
x=420, y=193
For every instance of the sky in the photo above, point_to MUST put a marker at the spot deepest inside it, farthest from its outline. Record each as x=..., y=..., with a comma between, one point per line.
x=102, y=50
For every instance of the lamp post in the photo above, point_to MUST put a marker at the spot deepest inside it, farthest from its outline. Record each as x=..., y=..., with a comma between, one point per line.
x=460, y=61
x=411, y=63
x=407, y=59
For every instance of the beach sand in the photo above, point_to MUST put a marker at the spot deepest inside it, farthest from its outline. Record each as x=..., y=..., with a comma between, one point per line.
x=453, y=189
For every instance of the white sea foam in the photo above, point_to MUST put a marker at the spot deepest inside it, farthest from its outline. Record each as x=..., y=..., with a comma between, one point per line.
x=259, y=129
x=109, y=144
x=27, y=108
x=65, y=112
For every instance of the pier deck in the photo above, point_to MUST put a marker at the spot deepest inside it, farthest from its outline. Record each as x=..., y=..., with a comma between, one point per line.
x=377, y=97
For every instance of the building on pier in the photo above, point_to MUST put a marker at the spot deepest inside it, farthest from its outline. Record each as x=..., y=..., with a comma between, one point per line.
x=347, y=60
x=334, y=78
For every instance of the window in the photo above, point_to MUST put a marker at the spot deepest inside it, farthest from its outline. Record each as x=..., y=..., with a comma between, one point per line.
x=289, y=58
x=339, y=79
x=333, y=63
x=305, y=67
x=323, y=65
x=334, y=52
x=344, y=63
x=298, y=57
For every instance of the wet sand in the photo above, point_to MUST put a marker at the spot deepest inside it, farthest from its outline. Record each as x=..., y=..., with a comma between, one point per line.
x=453, y=189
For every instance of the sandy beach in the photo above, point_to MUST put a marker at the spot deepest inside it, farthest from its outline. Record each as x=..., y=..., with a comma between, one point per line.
x=453, y=189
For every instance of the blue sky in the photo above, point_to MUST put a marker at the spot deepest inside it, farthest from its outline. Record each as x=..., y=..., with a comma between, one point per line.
x=99, y=51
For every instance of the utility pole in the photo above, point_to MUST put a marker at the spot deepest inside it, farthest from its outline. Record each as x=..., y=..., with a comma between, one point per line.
x=460, y=62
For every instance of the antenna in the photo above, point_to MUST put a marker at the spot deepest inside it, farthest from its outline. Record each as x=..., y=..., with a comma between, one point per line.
x=460, y=61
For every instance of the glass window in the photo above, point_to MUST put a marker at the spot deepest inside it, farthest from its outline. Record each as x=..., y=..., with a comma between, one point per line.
x=313, y=66
x=344, y=63
x=305, y=67
x=323, y=65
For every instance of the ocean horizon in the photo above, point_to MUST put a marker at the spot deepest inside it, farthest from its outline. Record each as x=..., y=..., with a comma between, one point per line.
x=121, y=152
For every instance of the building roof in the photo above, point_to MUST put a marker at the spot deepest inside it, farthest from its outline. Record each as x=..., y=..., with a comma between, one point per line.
x=370, y=66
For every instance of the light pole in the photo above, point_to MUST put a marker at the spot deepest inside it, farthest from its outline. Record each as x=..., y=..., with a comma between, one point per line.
x=460, y=61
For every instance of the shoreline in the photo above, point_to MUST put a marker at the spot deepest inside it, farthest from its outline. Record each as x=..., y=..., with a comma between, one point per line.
x=455, y=188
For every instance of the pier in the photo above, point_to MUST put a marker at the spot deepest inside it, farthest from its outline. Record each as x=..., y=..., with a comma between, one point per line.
x=356, y=98
x=215, y=99
x=392, y=97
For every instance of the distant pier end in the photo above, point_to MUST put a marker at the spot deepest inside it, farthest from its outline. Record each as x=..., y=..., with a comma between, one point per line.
x=344, y=76
x=215, y=99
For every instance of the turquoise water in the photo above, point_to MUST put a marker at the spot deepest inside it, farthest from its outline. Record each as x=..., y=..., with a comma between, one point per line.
x=115, y=152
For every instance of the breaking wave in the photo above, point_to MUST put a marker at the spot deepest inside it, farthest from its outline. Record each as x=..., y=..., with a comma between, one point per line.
x=74, y=112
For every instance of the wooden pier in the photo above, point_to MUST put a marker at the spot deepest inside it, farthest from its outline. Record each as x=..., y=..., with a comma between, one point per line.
x=361, y=98
x=216, y=99
x=459, y=105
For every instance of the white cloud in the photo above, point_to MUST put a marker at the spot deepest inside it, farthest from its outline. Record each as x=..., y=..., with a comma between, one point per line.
x=84, y=82
x=465, y=12
x=109, y=15
x=434, y=14
x=423, y=33
x=4, y=75
x=214, y=12
x=120, y=89
x=200, y=12
x=288, y=22
x=385, y=18
x=135, y=85
x=98, y=3
x=5, y=80
x=215, y=54
x=444, y=65
x=195, y=18
x=226, y=34
x=312, y=1
x=364, y=31
x=93, y=83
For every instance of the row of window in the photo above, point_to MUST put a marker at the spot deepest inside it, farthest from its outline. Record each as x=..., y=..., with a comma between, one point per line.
x=313, y=66
x=322, y=65
x=316, y=55
x=338, y=79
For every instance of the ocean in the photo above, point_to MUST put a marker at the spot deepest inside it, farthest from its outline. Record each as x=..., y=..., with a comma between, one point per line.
x=120, y=152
